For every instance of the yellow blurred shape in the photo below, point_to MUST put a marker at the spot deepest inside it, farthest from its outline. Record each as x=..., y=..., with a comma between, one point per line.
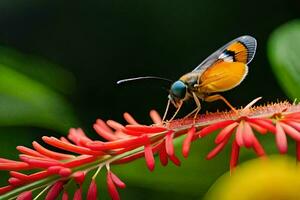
x=275, y=178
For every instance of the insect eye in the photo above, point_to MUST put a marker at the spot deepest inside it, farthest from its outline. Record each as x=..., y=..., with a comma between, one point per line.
x=178, y=89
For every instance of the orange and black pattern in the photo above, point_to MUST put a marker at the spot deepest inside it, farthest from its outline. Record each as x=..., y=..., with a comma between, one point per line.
x=238, y=51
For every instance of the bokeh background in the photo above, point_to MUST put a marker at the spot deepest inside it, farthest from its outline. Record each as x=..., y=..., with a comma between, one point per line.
x=60, y=60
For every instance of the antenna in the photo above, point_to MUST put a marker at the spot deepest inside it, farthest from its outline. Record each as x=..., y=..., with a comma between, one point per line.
x=142, y=78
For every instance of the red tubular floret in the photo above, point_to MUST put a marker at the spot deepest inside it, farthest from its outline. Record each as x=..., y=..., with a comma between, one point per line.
x=169, y=143
x=163, y=156
x=27, y=195
x=80, y=160
x=5, y=189
x=92, y=191
x=29, y=151
x=130, y=119
x=18, y=175
x=122, y=143
x=14, y=166
x=70, y=147
x=225, y=132
x=113, y=192
x=235, y=150
x=211, y=128
x=39, y=162
x=142, y=129
x=55, y=190
x=110, y=136
x=118, y=182
x=217, y=149
x=149, y=157
x=259, y=150
x=248, y=135
x=292, y=132
x=187, y=141
x=281, y=139
x=51, y=154
x=263, y=123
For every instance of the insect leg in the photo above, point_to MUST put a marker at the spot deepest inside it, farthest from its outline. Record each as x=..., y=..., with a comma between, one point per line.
x=176, y=111
x=191, y=113
x=219, y=97
x=166, y=111
x=196, y=110
x=197, y=101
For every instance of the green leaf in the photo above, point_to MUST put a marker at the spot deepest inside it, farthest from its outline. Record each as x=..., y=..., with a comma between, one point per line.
x=38, y=69
x=284, y=54
x=25, y=97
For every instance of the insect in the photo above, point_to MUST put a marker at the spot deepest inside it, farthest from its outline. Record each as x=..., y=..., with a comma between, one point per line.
x=223, y=70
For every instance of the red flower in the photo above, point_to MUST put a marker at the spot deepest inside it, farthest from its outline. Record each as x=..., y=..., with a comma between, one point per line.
x=65, y=196
x=92, y=192
x=287, y=125
x=78, y=194
x=126, y=143
x=55, y=190
x=79, y=177
x=25, y=196
x=242, y=129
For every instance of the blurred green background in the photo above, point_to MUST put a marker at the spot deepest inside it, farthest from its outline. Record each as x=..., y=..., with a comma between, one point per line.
x=60, y=60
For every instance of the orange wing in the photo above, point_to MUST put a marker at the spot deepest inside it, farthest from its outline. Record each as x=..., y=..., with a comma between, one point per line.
x=222, y=76
x=239, y=52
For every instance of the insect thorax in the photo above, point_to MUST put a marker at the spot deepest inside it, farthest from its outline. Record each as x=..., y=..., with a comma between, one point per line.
x=191, y=79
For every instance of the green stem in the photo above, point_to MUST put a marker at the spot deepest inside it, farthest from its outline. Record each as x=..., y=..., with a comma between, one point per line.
x=42, y=192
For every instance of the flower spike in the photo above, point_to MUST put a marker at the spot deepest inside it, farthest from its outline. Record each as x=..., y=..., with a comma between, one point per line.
x=49, y=171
